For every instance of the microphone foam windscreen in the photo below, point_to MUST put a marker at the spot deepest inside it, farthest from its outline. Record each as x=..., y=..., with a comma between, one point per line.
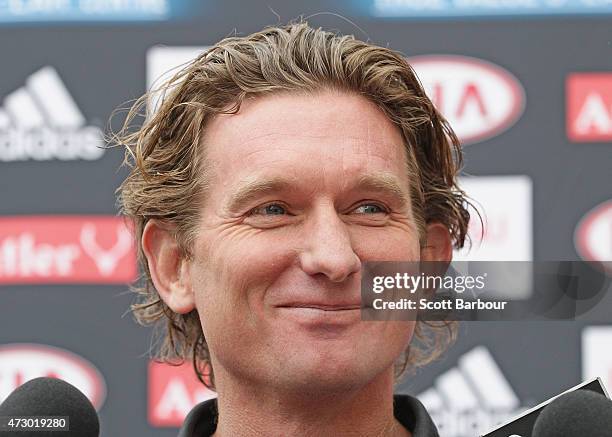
x=52, y=397
x=577, y=413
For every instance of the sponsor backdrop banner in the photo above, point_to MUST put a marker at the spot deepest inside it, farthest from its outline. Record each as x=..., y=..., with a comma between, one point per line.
x=529, y=95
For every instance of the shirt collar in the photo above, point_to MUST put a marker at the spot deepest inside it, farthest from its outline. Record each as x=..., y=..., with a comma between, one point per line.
x=409, y=411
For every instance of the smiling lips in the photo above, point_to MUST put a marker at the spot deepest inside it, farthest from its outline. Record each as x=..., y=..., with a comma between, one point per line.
x=323, y=306
x=322, y=317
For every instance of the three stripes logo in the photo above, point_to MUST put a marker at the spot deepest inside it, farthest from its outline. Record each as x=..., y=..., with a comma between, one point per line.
x=472, y=397
x=41, y=121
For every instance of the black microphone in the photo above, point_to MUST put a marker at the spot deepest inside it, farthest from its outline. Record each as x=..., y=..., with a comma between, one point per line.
x=577, y=413
x=48, y=397
x=581, y=411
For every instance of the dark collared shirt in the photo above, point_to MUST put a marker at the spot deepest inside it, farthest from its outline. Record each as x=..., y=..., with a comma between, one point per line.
x=202, y=419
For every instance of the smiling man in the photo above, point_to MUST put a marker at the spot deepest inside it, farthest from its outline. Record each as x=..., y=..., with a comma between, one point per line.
x=275, y=166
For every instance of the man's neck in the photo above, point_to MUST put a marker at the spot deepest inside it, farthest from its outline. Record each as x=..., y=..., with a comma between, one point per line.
x=247, y=411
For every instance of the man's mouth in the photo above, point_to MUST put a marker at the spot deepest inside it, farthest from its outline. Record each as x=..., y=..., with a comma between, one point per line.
x=323, y=306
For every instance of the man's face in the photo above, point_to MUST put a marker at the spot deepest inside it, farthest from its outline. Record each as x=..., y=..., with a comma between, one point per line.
x=303, y=189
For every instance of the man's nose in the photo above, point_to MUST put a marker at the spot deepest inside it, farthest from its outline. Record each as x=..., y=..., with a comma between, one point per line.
x=328, y=249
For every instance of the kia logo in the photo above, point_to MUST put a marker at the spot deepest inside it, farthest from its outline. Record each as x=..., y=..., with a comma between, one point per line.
x=21, y=362
x=593, y=236
x=479, y=99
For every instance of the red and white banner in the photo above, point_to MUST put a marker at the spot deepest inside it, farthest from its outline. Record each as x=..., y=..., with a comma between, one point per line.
x=173, y=392
x=478, y=98
x=66, y=249
x=589, y=107
x=593, y=235
x=22, y=362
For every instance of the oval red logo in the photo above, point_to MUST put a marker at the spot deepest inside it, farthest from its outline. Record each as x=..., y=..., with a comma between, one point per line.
x=479, y=99
x=593, y=235
x=21, y=362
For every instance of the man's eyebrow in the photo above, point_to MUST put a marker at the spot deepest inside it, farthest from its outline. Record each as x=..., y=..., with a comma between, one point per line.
x=385, y=183
x=254, y=189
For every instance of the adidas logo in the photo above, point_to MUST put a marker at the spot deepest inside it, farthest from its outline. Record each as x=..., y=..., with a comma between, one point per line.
x=472, y=397
x=41, y=121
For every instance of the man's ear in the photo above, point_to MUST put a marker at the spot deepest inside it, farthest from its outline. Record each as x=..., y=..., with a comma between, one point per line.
x=439, y=246
x=168, y=267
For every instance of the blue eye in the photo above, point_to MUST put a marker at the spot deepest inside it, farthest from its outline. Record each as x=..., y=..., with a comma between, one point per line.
x=370, y=208
x=271, y=209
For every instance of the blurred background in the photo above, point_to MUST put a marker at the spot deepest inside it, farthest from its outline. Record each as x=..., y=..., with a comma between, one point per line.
x=527, y=85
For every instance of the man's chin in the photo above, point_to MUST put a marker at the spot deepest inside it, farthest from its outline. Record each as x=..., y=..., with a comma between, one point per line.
x=331, y=372
x=319, y=384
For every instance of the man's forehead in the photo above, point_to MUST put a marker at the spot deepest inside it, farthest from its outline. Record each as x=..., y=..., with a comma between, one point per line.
x=287, y=136
x=331, y=115
x=324, y=145
x=312, y=160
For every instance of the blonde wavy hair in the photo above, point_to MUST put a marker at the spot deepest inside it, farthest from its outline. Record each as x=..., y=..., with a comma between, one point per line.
x=165, y=154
